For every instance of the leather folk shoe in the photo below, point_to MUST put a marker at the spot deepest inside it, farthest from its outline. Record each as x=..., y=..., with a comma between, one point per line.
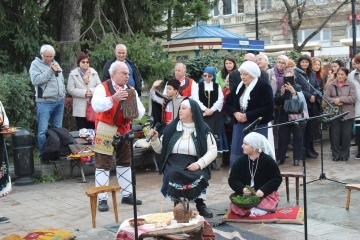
x=103, y=206
x=204, y=211
x=129, y=200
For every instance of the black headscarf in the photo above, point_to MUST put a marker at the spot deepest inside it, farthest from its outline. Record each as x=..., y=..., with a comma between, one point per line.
x=202, y=129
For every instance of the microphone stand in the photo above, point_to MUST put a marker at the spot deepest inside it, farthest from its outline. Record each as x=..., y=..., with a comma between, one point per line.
x=301, y=123
x=129, y=136
x=322, y=174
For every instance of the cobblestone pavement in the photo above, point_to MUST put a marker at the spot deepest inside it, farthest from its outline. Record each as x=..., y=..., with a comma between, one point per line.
x=64, y=204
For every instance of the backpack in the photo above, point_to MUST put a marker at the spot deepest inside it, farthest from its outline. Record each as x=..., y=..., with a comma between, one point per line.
x=57, y=144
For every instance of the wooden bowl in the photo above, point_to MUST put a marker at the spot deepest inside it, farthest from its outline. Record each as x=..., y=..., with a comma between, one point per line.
x=140, y=221
x=248, y=205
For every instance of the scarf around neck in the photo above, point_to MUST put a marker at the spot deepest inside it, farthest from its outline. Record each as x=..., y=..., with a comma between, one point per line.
x=279, y=77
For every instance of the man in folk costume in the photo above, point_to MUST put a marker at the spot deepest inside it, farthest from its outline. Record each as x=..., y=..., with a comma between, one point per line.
x=111, y=120
x=188, y=87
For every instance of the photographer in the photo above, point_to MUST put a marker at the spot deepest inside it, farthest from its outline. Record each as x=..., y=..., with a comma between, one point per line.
x=48, y=80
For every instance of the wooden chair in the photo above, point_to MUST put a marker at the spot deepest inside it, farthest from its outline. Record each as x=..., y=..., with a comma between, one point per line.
x=349, y=187
x=295, y=175
x=93, y=192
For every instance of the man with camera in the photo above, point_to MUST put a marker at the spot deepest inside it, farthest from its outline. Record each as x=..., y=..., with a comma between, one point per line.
x=111, y=101
x=48, y=80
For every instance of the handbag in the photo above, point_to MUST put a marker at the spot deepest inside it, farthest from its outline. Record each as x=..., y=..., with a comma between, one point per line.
x=90, y=113
x=334, y=110
x=293, y=105
x=229, y=121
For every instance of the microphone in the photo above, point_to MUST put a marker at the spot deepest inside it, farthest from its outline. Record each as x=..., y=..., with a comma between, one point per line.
x=157, y=125
x=337, y=117
x=56, y=72
x=251, y=126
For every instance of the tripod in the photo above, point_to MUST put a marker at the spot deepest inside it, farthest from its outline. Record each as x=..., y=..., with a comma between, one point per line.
x=322, y=174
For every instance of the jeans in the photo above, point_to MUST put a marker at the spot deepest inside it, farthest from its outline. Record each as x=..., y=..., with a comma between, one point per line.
x=48, y=113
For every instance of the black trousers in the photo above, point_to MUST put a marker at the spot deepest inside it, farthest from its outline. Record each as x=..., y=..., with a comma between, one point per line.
x=284, y=135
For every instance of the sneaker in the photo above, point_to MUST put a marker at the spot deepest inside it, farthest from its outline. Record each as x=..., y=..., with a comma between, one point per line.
x=103, y=206
x=296, y=162
x=4, y=220
x=358, y=156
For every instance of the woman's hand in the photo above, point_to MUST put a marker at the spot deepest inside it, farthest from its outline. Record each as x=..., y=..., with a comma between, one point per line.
x=154, y=134
x=312, y=98
x=193, y=167
x=88, y=93
x=208, y=112
x=86, y=79
x=259, y=193
x=282, y=90
x=336, y=101
x=246, y=192
x=289, y=87
x=240, y=117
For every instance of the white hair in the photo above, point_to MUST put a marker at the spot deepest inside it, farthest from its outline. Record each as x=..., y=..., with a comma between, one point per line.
x=263, y=56
x=115, y=66
x=46, y=48
x=182, y=64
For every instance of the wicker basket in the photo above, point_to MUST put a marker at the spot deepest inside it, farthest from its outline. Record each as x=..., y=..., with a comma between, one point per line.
x=249, y=205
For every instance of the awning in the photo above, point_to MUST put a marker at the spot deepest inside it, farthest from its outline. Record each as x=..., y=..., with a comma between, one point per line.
x=282, y=47
x=245, y=45
x=349, y=42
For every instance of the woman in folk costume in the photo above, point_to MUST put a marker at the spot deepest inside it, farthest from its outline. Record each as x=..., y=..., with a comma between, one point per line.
x=5, y=180
x=257, y=168
x=253, y=98
x=211, y=102
x=187, y=147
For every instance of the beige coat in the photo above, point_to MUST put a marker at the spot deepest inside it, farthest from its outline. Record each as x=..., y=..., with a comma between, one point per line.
x=77, y=89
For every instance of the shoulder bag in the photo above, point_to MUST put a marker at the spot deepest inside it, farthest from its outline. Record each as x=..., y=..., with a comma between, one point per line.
x=335, y=110
x=293, y=105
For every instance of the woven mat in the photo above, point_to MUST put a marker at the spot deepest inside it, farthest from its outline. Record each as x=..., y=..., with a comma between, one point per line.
x=289, y=215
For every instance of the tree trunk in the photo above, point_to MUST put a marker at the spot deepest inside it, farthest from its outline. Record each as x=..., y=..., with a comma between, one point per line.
x=70, y=34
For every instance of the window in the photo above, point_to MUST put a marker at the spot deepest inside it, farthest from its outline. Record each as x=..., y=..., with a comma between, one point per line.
x=240, y=6
x=350, y=31
x=216, y=11
x=264, y=5
x=227, y=7
x=323, y=36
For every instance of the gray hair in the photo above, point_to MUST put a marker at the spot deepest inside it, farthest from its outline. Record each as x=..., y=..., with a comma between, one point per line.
x=263, y=56
x=48, y=48
x=182, y=64
x=115, y=66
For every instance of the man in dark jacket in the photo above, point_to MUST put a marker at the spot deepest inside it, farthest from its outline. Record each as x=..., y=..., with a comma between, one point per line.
x=135, y=79
x=234, y=77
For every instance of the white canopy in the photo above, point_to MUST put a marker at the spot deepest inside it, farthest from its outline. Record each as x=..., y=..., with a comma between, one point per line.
x=348, y=42
x=288, y=47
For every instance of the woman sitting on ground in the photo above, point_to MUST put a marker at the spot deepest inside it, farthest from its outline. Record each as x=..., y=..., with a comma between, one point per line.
x=187, y=147
x=257, y=169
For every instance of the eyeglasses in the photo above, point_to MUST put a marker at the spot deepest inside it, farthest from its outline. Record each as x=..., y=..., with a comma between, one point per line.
x=207, y=75
x=126, y=73
x=282, y=63
x=85, y=62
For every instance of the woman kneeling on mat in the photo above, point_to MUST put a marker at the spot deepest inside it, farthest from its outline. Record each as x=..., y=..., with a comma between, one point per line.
x=257, y=169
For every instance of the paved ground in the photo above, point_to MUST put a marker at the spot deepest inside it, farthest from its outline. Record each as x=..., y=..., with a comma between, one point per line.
x=64, y=204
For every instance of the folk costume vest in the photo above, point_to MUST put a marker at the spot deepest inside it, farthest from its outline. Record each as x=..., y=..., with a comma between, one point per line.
x=208, y=99
x=114, y=116
x=185, y=90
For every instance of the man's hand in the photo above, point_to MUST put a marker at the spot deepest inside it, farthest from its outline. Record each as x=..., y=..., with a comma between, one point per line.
x=120, y=96
x=54, y=67
x=193, y=167
x=208, y=112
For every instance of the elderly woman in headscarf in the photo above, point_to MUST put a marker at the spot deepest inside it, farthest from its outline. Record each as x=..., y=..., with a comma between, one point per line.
x=187, y=147
x=253, y=98
x=211, y=102
x=257, y=169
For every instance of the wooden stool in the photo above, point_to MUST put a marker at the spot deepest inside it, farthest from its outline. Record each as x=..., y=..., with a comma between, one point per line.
x=295, y=175
x=93, y=192
x=349, y=187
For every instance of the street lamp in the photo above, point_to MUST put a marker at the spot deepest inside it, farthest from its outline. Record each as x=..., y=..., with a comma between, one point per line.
x=256, y=20
x=353, y=19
